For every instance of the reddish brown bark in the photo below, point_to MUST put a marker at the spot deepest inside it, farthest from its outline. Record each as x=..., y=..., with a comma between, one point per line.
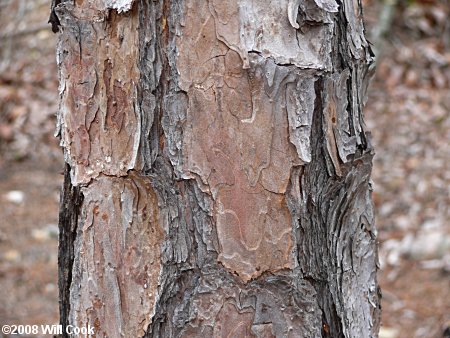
x=224, y=165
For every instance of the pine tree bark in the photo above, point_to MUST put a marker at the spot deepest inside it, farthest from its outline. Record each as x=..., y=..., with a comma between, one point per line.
x=218, y=169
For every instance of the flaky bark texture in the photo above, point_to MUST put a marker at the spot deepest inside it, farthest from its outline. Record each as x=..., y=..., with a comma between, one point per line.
x=219, y=169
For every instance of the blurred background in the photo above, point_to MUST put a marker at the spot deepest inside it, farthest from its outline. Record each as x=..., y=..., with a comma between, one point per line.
x=408, y=112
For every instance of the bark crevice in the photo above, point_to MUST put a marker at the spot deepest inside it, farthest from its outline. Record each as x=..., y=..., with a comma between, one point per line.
x=70, y=208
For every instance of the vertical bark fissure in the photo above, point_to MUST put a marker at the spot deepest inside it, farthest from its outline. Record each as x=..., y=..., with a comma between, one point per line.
x=159, y=82
x=326, y=234
x=69, y=211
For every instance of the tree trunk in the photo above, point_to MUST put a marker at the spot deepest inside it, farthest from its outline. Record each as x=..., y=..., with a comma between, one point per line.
x=218, y=169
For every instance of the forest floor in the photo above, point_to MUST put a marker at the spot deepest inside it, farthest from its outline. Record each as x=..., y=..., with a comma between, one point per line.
x=408, y=111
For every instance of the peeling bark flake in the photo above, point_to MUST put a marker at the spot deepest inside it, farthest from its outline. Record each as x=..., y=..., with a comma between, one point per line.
x=269, y=28
x=120, y=5
x=117, y=260
x=236, y=143
x=100, y=128
x=327, y=5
